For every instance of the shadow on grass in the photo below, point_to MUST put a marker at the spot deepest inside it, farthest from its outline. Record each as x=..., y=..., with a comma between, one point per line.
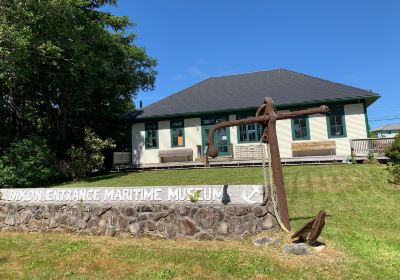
x=93, y=179
x=306, y=218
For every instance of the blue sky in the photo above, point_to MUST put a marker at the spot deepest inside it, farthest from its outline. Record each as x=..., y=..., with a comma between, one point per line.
x=351, y=42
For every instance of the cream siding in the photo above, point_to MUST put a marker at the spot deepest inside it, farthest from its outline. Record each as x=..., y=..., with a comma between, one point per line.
x=355, y=128
x=193, y=134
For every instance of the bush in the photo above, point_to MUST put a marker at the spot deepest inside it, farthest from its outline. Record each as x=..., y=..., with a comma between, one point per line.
x=393, y=153
x=89, y=158
x=27, y=163
x=394, y=173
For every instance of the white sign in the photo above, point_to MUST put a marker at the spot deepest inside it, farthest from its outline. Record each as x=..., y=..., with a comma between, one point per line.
x=236, y=194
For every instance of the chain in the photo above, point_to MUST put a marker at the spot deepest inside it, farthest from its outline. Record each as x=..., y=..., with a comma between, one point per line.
x=269, y=185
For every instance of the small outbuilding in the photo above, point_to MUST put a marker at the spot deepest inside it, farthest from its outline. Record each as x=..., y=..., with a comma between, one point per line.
x=387, y=130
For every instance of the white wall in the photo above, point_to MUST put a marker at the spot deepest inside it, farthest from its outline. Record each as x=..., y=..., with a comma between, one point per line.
x=355, y=127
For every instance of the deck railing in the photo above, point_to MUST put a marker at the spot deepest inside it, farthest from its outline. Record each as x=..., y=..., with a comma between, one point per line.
x=121, y=158
x=375, y=146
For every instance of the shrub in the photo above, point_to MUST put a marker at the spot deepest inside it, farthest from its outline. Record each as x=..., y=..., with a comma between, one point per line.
x=27, y=163
x=393, y=153
x=394, y=173
x=89, y=158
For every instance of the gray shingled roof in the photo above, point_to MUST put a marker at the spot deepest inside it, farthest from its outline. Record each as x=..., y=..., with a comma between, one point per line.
x=245, y=91
x=391, y=126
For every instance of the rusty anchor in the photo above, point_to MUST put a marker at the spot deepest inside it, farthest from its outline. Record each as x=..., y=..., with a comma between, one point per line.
x=312, y=229
x=266, y=116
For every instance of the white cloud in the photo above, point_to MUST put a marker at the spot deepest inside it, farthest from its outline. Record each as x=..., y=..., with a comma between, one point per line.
x=196, y=72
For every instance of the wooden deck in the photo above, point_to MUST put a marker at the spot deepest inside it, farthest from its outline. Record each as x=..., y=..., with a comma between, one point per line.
x=225, y=162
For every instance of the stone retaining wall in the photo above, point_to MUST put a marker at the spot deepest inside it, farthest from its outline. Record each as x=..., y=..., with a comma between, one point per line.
x=191, y=220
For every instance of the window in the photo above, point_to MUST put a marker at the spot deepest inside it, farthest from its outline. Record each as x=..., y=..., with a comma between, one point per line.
x=248, y=132
x=151, y=135
x=177, y=134
x=336, y=122
x=300, y=128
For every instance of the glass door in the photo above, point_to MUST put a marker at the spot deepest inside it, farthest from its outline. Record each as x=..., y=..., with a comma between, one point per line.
x=221, y=137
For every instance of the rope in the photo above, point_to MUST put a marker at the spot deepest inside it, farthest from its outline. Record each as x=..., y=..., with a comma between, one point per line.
x=269, y=185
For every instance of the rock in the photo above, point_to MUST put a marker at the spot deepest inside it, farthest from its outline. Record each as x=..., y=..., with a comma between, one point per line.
x=160, y=226
x=205, y=218
x=110, y=230
x=11, y=209
x=192, y=212
x=187, y=227
x=71, y=221
x=204, y=236
x=102, y=222
x=130, y=211
x=170, y=231
x=183, y=210
x=268, y=222
x=121, y=222
x=150, y=225
x=241, y=210
x=93, y=222
x=260, y=211
x=270, y=207
x=222, y=228
x=86, y=217
x=3, y=217
x=55, y=221
x=142, y=217
x=136, y=228
x=263, y=241
x=102, y=210
x=253, y=227
x=10, y=220
x=230, y=210
x=296, y=249
x=160, y=215
x=146, y=208
x=234, y=221
x=23, y=217
x=157, y=208
x=80, y=224
x=240, y=229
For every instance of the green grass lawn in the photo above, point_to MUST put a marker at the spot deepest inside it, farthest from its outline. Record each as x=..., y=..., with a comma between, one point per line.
x=362, y=233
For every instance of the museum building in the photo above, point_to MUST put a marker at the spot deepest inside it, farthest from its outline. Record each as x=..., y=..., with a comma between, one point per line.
x=175, y=128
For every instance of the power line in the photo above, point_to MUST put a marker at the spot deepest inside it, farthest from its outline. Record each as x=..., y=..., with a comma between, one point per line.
x=387, y=119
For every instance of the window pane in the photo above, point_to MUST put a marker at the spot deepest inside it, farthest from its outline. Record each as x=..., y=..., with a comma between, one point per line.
x=248, y=132
x=151, y=135
x=336, y=125
x=300, y=128
x=177, y=131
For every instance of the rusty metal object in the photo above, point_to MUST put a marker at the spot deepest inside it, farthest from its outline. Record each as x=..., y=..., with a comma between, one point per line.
x=311, y=230
x=267, y=116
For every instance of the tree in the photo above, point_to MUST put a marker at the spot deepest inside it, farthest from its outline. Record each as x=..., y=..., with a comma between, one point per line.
x=66, y=65
x=27, y=163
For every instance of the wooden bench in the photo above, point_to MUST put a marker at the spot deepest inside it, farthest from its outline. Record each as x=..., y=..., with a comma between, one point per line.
x=313, y=146
x=187, y=153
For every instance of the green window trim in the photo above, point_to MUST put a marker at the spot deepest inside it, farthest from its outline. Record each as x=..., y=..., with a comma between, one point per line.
x=172, y=126
x=146, y=137
x=367, y=127
x=257, y=127
x=338, y=111
x=308, y=136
